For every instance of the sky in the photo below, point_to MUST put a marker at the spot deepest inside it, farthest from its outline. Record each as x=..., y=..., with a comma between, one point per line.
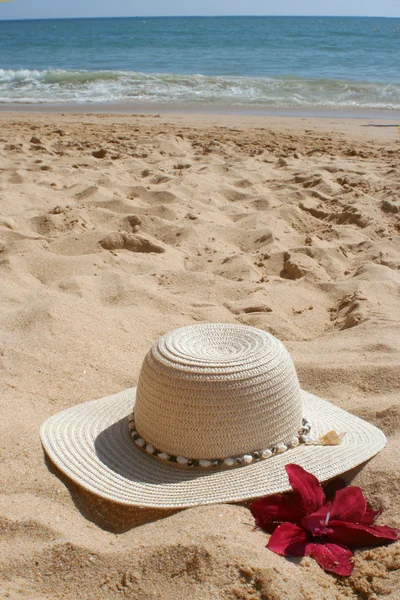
x=42, y=9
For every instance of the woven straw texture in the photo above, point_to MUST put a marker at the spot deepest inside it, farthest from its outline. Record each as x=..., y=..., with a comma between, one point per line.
x=224, y=372
x=217, y=391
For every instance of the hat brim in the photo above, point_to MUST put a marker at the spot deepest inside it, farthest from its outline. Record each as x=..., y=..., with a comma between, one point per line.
x=91, y=444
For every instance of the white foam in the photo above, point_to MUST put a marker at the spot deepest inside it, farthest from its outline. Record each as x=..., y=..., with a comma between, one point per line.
x=60, y=86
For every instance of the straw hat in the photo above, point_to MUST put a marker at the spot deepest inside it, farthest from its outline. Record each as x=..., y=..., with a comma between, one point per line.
x=217, y=413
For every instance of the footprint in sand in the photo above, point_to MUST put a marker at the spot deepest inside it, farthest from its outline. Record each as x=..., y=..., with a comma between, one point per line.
x=348, y=215
x=130, y=223
x=134, y=221
x=158, y=197
x=86, y=193
x=248, y=307
x=390, y=207
x=99, y=153
x=243, y=183
x=158, y=179
x=45, y=225
x=350, y=311
x=16, y=178
x=297, y=265
x=235, y=196
x=182, y=166
x=131, y=242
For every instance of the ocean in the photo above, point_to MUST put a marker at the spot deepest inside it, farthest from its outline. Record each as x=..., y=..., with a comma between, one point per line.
x=223, y=63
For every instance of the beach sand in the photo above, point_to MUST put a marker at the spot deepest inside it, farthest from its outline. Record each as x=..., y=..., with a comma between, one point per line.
x=287, y=224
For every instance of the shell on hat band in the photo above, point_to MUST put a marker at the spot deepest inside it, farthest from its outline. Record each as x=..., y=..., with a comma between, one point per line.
x=303, y=437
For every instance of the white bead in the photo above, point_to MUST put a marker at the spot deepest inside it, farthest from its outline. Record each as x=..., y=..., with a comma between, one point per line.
x=247, y=459
x=182, y=460
x=311, y=440
x=139, y=442
x=266, y=454
x=229, y=462
x=150, y=449
x=281, y=448
x=295, y=442
x=163, y=456
x=134, y=432
x=205, y=463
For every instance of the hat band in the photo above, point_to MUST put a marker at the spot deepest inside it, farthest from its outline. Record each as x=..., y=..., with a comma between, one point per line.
x=238, y=461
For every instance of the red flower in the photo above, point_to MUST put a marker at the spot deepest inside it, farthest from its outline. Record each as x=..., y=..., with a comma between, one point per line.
x=324, y=525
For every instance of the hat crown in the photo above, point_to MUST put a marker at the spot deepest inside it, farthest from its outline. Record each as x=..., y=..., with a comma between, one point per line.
x=211, y=391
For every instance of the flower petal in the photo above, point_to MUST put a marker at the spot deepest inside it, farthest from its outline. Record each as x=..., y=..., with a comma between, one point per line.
x=289, y=540
x=318, y=522
x=333, y=486
x=349, y=505
x=311, y=494
x=272, y=510
x=370, y=515
x=333, y=558
x=357, y=534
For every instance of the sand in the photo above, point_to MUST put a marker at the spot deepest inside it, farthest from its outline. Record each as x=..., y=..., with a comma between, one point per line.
x=288, y=224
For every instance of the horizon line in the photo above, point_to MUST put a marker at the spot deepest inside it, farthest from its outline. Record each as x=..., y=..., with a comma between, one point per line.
x=201, y=17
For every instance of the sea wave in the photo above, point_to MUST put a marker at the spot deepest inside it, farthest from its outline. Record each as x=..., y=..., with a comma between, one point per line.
x=67, y=86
